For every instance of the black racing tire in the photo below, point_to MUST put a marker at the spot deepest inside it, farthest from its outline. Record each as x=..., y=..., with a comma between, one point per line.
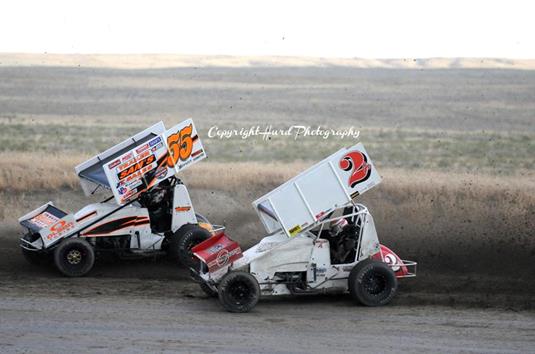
x=238, y=292
x=208, y=290
x=74, y=257
x=372, y=283
x=183, y=240
x=35, y=257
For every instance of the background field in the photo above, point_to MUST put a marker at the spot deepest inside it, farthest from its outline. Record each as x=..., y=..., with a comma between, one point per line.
x=455, y=146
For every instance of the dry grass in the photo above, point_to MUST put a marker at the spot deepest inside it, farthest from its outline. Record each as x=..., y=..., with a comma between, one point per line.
x=450, y=222
x=20, y=172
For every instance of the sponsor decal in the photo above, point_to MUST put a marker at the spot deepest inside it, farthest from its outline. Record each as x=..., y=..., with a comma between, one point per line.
x=321, y=270
x=142, y=155
x=155, y=141
x=197, y=157
x=60, y=228
x=354, y=195
x=197, y=152
x=134, y=183
x=122, y=190
x=44, y=219
x=161, y=172
x=223, y=257
x=127, y=157
x=295, y=230
x=319, y=215
x=142, y=148
x=215, y=248
x=155, y=148
x=179, y=209
x=136, y=167
x=114, y=164
x=128, y=194
x=357, y=163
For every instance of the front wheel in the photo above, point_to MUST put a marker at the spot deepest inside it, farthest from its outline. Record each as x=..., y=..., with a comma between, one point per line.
x=182, y=241
x=238, y=292
x=74, y=257
x=372, y=283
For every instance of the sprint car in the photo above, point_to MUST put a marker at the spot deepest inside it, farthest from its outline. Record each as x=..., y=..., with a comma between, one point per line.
x=319, y=240
x=149, y=212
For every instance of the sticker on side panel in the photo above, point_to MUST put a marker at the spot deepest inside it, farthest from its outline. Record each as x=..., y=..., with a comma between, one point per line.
x=295, y=230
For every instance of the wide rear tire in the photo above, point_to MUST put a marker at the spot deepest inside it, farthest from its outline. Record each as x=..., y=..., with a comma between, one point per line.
x=372, y=283
x=74, y=257
x=183, y=240
x=238, y=292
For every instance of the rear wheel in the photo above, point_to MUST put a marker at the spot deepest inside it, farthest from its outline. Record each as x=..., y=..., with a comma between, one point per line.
x=372, y=283
x=182, y=241
x=238, y=292
x=74, y=257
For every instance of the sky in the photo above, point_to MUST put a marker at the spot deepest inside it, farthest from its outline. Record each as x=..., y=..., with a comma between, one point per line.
x=364, y=29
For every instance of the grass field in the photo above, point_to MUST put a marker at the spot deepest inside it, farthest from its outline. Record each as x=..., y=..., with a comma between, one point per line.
x=489, y=152
x=468, y=120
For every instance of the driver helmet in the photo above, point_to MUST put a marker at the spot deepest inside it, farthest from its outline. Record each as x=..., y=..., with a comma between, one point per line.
x=338, y=225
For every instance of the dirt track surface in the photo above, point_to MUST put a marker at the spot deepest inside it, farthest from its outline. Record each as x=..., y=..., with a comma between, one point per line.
x=53, y=314
x=152, y=305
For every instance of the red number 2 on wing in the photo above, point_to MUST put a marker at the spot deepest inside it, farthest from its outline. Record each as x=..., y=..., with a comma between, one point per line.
x=356, y=162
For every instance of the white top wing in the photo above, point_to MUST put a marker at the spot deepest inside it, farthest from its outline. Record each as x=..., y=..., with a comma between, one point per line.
x=309, y=196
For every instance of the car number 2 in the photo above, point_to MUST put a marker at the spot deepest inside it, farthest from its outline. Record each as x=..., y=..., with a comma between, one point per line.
x=357, y=163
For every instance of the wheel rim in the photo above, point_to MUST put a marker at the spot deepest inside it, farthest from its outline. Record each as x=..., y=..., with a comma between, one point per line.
x=240, y=292
x=74, y=257
x=375, y=283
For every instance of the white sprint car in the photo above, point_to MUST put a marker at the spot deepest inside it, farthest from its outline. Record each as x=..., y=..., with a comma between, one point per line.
x=150, y=212
x=319, y=240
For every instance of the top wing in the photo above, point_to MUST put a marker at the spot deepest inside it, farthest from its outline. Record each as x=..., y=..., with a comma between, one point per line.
x=143, y=161
x=91, y=172
x=324, y=187
x=156, y=160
